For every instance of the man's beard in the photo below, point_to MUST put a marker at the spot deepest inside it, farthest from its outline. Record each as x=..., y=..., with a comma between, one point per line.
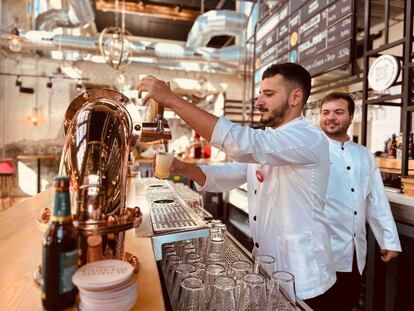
x=340, y=130
x=276, y=115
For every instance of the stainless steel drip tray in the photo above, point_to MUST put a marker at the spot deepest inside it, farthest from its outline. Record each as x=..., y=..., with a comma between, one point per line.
x=169, y=214
x=171, y=217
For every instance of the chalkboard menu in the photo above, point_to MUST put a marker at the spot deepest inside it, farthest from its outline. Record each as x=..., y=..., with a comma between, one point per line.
x=314, y=33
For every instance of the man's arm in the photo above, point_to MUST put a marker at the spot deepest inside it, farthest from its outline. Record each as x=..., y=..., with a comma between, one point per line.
x=200, y=120
x=213, y=178
x=379, y=216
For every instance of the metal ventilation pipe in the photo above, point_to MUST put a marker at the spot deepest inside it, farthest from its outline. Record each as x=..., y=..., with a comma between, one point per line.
x=80, y=13
x=42, y=40
x=215, y=23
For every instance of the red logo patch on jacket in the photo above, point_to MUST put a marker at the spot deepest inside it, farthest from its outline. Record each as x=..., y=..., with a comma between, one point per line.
x=259, y=176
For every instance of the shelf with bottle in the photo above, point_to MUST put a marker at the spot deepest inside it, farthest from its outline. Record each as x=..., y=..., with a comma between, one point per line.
x=387, y=165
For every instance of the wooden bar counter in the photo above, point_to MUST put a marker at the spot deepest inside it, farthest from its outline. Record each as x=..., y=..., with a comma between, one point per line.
x=20, y=254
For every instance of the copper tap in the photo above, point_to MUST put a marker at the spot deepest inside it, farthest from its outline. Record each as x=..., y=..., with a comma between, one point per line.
x=156, y=130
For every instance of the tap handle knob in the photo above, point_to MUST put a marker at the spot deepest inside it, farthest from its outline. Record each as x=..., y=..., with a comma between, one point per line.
x=159, y=109
x=156, y=111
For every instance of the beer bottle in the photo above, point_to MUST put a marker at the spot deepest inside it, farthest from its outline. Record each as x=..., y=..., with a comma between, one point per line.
x=59, y=256
x=410, y=146
x=392, y=151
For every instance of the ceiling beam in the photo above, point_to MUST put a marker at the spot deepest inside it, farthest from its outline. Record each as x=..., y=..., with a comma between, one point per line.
x=140, y=8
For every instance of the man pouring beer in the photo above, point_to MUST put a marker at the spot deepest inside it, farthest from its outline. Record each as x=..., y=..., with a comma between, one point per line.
x=286, y=167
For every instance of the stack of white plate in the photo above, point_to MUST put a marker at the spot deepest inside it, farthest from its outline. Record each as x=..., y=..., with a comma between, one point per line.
x=106, y=285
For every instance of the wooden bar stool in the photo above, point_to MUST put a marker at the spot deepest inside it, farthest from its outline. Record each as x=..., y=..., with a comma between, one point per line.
x=6, y=182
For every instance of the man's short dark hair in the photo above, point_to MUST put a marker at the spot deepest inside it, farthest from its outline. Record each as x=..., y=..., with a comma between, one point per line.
x=294, y=74
x=339, y=95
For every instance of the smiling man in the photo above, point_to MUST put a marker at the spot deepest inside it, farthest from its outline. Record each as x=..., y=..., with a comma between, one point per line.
x=355, y=196
x=286, y=167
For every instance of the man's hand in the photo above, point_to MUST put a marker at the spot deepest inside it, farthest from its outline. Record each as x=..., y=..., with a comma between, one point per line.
x=200, y=120
x=157, y=90
x=177, y=167
x=387, y=255
x=191, y=171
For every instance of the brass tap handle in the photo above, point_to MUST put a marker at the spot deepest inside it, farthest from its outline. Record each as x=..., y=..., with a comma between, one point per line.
x=159, y=109
x=155, y=112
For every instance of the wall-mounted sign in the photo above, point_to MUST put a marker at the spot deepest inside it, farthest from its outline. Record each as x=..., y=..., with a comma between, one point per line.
x=383, y=72
x=308, y=32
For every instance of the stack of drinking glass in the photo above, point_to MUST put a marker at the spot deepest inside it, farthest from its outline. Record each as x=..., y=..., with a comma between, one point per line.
x=213, y=274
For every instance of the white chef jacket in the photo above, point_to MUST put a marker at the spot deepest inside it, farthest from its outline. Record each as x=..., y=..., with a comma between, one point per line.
x=286, y=209
x=356, y=195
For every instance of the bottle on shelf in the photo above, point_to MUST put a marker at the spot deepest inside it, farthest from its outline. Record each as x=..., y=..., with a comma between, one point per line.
x=399, y=140
x=59, y=256
x=197, y=146
x=392, y=150
x=411, y=146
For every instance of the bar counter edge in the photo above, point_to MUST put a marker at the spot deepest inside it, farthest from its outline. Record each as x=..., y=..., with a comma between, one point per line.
x=20, y=254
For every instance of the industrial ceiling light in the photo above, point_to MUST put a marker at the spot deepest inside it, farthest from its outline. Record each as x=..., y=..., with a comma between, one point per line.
x=49, y=83
x=18, y=81
x=113, y=44
x=34, y=118
x=15, y=44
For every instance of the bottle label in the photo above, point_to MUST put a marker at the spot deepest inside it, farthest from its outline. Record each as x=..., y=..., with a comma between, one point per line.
x=62, y=204
x=68, y=261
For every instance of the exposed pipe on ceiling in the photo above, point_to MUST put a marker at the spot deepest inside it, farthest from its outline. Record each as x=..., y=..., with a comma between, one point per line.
x=41, y=40
x=80, y=13
x=216, y=23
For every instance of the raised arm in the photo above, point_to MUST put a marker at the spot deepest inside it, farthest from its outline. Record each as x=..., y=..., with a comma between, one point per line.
x=200, y=120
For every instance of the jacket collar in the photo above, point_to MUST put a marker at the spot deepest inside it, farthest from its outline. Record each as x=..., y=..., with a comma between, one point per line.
x=338, y=143
x=288, y=124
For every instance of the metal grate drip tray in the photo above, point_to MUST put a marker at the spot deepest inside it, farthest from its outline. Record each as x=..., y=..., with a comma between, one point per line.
x=168, y=214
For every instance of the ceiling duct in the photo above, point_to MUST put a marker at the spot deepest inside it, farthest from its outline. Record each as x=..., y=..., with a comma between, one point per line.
x=79, y=13
x=43, y=40
x=208, y=25
x=216, y=23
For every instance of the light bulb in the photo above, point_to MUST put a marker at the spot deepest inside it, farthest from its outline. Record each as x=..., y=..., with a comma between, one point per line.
x=117, y=49
x=14, y=44
x=34, y=117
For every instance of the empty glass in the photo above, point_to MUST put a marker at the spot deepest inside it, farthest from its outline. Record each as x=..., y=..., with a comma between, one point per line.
x=215, y=221
x=202, y=245
x=182, y=271
x=216, y=245
x=192, y=295
x=282, y=295
x=252, y=293
x=238, y=270
x=213, y=258
x=223, y=294
x=214, y=232
x=201, y=269
x=212, y=272
x=179, y=246
x=166, y=251
x=265, y=265
x=171, y=262
x=222, y=229
x=187, y=249
x=192, y=258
